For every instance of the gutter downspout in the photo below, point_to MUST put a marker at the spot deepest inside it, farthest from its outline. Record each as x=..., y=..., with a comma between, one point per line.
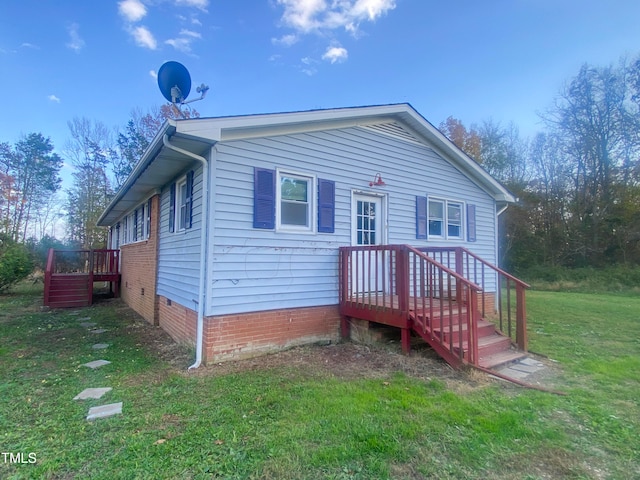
x=203, y=245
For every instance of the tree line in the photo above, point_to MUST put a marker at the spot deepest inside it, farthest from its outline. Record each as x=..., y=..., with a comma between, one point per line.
x=577, y=181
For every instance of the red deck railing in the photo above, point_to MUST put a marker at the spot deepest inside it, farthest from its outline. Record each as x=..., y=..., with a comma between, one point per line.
x=502, y=299
x=441, y=293
x=401, y=286
x=97, y=265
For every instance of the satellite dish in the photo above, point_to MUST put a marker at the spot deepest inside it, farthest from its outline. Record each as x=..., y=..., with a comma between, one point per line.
x=174, y=82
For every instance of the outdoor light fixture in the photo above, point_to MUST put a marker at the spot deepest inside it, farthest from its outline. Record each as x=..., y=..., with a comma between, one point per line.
x=377, y=181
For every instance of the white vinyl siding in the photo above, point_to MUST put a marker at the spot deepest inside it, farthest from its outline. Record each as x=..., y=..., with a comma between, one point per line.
x=258, y=269
x=179, y=252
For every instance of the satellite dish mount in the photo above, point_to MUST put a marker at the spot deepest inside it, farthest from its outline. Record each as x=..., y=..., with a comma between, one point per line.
x=175, y=84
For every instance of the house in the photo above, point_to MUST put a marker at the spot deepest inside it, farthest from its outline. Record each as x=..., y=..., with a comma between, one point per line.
x=230, y=229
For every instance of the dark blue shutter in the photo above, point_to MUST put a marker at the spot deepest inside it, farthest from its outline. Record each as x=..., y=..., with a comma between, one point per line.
x=326, y=205
x=471, y=223
x=172, y=207
x=189, y=201
x=264, y=198
x=421, y=217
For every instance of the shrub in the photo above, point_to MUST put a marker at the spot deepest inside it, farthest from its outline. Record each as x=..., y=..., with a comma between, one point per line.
x=15, y=263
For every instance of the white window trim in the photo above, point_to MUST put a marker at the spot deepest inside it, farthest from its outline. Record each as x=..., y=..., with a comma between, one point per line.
x=126, y=230
x=313, y=207
x=181, y=184
x=445, y=225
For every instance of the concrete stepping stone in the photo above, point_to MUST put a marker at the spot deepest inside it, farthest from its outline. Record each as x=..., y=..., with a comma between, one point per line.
x=98, y=330
x=96, y=363
x=510, y=372
x=100, y=346
x=105, y=411
x=83, y=319
x=531, y=362
x=92, y=393
x=88, y=324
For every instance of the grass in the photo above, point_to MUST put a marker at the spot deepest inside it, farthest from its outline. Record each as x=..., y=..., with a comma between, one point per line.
x=289, y=422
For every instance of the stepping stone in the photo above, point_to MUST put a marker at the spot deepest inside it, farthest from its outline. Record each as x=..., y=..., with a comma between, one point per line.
x=531, y=362
x=104, y=411
x=88, y=324
x=73, y=313
x=92, y=393
x=509, y=372
x=98, y=330
x=100, y=346
x=83, y=319
x=96, y=363
x=525, y=368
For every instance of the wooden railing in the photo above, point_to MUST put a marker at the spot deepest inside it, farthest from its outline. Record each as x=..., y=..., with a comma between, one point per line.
x=502, y=299
x=98, y=264
x=98, y=261
x=402, y=286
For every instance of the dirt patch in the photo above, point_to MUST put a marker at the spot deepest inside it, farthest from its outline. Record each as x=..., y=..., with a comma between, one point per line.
x=343, y=360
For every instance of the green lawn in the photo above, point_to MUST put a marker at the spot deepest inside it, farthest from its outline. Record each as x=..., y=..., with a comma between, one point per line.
x=290, y=421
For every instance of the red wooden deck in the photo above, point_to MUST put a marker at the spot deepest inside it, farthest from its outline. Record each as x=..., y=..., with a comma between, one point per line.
x=70, y=274
x=407, y=288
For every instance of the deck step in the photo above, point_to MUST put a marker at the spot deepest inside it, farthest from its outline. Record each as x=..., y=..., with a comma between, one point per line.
x=485, y=329
x=501, y=358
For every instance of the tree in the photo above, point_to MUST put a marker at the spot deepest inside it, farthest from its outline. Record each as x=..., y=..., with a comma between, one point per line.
x=465, y=139
x=596, y=124
x=29, y=171
x=91, y=151
x=15, y=262
x=138, y=134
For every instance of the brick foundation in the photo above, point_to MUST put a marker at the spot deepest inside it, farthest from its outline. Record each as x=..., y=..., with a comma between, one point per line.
x=246, y=335
x=139, y=271
x=234, y=337
x=177, y=320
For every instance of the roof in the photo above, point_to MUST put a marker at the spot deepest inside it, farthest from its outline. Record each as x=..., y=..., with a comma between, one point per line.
x=159, y=164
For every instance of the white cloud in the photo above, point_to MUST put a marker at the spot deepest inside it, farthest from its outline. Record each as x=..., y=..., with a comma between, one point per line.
x=132, y=10
x=286, y=40
x=309, y=66
x=201, y=4
x=75, y=41
x=144, y=38
x=180, y=44
x=189, y=33
x=313, y=15
x=53, y=98
x=30, y=45
x=335, y=54
x=153, y=74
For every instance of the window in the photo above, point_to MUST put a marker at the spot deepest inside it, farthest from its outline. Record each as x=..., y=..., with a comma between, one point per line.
x=181, y=204
x=454, y=220
x=181, y=210
x=294, y=210
x=445, y=219
x=147, y=222
x=135, y=225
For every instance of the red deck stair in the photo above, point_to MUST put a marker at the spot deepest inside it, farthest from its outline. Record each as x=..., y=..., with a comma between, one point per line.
x=466, y=309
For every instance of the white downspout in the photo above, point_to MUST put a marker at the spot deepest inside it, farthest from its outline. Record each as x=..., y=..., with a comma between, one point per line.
x=203, y=245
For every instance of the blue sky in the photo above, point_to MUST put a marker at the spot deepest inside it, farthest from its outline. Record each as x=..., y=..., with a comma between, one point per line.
x=474, y=60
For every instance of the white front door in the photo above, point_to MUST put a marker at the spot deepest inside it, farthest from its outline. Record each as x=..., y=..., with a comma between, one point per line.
x=367, y=228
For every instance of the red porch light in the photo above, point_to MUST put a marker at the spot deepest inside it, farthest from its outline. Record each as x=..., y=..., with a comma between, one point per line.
x=377, y=181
